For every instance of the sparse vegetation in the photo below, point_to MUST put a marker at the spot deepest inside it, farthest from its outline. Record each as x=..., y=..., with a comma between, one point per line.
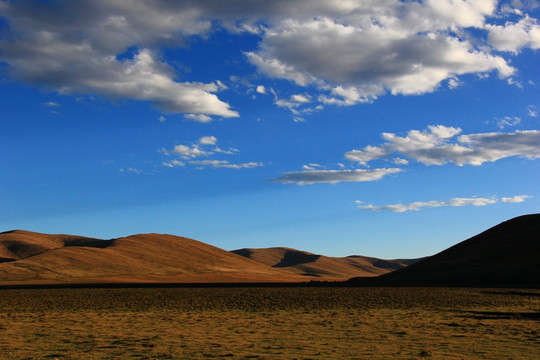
x=270, y=323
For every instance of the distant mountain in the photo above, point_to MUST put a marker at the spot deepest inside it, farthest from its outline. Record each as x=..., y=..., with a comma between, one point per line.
x=506, y=255
x=320, y=266
x=30, y=258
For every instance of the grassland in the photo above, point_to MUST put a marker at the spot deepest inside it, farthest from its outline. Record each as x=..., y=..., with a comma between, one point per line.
x=270, y=323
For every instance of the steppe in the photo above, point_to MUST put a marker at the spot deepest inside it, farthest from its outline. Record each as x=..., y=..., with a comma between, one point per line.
x=270, y=323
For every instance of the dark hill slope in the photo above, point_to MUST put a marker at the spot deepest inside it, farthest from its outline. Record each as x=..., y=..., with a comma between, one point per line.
x=505, y=255
x=20, y=244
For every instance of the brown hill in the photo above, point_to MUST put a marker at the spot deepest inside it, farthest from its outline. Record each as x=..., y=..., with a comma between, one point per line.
x=40, y=258
x=319, y=266
x=505, y=255
x=19, y=244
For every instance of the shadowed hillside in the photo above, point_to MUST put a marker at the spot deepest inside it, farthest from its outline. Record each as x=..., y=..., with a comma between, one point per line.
x=505, y=255
x=40, y=258
x=308, y=264
x=20, y=244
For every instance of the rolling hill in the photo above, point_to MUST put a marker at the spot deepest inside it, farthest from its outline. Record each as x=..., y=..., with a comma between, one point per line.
x=320, y=266
x=506, y=255
x=33, y=258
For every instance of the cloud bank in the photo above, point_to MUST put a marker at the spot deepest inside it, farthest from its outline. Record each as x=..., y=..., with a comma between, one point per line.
x=108, y=48
x=348, y=51
x=440, y=145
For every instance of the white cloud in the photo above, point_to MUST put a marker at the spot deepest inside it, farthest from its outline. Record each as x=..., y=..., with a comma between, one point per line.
x=439, y=145
x=350, y=95
x=465, y=13
x=275, y=68
x=295, y=101
x=204, y=147
x=515, y=36
x=515, y=199
x=261, y=89
x=51, y=104
x=415, y=206
x=300, y=99
x=194, y=150
x=532, y=111
x=187, y=152
x=348, y=51
x=162, y=119
x=471, y=201
x=230, y=151
x=133, y=170
x=202, y=118
x=173, y=163
x=334, y=176
x=400, y=161
x=311, y=166
x=51, y=45
x=297, y=105
x=208, y=140
x=403, y=47
x=226, y=164
x=367, y=154
x=454, y=83
x=508, y=121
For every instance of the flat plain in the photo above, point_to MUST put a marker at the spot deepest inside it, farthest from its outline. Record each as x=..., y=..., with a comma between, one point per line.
x=270, y=323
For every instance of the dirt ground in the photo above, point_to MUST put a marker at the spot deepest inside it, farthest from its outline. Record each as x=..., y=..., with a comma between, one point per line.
x=270, y=323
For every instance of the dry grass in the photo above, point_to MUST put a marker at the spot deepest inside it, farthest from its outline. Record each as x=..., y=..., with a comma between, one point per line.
x=40, y=258
x=270, y=323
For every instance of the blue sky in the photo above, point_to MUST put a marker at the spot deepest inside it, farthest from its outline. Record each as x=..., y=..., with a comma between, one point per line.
x=381, y=128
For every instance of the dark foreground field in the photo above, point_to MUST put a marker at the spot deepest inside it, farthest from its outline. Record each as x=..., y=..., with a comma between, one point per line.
x=270, y=323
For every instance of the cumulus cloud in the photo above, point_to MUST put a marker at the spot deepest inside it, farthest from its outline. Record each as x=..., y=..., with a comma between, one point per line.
x=293, y=102
x=261, y=89
x=400, y=47
x=208, y=140
x=309, y=177
x=415, y=206
x=187, y=152
x=198, y=149
x=349, y=51
x=76, y=48
x=514, y=36
x=439, y=145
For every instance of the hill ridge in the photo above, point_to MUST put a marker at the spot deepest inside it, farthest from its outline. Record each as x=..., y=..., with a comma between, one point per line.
x=310, y=264
x=149, y=257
